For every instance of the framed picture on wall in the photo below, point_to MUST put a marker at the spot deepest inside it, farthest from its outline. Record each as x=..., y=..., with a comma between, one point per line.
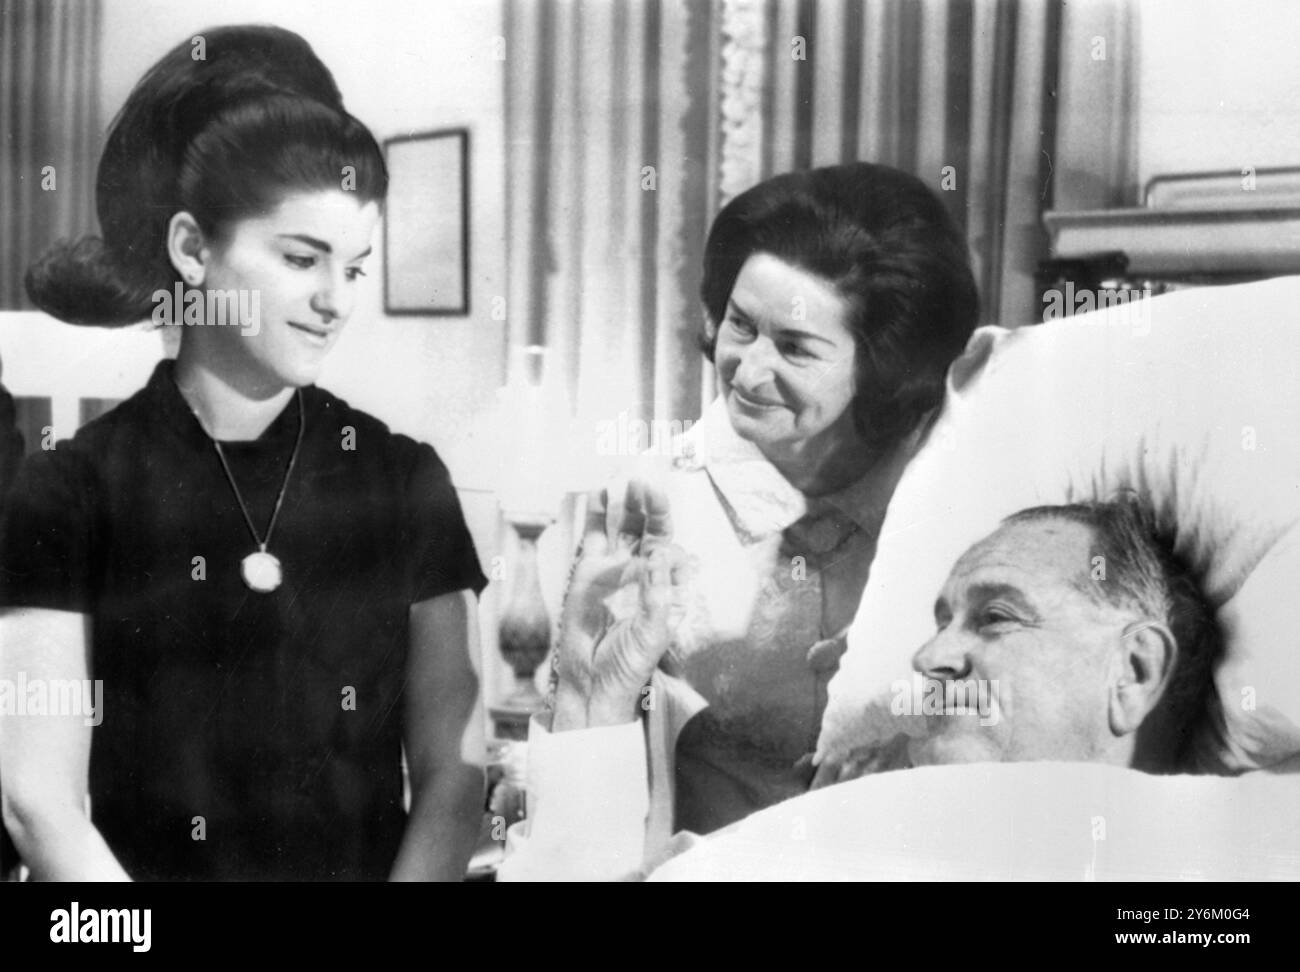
x=426, y=223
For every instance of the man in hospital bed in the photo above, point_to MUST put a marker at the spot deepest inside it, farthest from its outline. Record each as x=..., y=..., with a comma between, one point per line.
x=1195, y=413
x=1071, y=633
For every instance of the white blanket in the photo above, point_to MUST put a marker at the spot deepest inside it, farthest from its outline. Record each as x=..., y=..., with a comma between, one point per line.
x=1014, y=821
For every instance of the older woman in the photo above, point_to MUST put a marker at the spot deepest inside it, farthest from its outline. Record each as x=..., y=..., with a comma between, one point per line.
x=835, y=301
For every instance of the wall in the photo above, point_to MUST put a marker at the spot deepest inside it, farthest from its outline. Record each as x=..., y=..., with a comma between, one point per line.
x=1218, y=85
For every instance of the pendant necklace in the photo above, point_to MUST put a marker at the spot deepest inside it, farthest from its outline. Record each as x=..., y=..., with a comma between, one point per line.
x=261, y=569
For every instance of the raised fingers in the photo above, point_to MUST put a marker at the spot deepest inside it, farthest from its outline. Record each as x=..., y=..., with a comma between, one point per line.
x=631, y=522
x=658, y=515
x=646, y=519
x=656, y=590
x=666, y=571
x=595, y=540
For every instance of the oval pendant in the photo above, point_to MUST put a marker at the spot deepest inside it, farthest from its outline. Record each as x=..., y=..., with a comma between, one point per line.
x=261, y=571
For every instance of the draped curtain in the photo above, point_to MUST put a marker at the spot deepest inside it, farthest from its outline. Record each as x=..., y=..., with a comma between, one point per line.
x=630, y=123
x=49, y=117
x=957, y=92
x=965, y=94
x=608, y=142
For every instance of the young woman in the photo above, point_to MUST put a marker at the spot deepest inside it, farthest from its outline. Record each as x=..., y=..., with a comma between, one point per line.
x=276, y=593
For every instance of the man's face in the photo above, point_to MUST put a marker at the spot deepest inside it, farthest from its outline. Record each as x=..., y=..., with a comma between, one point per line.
x=1016, y=623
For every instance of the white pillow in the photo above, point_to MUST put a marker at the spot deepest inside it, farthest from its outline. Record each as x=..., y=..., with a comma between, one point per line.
x=1193, y=400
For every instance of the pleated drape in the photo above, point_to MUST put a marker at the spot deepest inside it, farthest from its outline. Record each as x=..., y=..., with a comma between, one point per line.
x=961, y=93
x=608, y=141
x=49, y=117
x=1006, y=108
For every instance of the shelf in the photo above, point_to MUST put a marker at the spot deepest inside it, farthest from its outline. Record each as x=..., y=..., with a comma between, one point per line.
x=1183, y=242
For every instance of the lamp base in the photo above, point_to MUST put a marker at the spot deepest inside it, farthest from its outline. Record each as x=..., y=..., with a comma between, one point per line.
x=509, y=722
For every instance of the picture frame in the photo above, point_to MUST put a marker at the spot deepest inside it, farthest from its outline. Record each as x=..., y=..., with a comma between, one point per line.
x=426, y=224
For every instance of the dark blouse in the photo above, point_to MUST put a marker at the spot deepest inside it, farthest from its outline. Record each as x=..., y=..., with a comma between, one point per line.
x=11, y=455
x=245, y=735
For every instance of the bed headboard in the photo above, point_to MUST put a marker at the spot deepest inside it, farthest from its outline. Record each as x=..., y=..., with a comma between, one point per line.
x=62, y=376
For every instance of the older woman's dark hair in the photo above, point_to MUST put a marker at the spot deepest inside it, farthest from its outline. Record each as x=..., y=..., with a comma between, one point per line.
x=224, y=131
x=891, y=248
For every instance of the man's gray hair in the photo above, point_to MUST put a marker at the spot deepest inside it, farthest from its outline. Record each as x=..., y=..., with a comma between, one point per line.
x=1139, y=571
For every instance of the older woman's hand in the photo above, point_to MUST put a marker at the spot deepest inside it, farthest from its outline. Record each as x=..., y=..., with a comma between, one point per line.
x=603, y=664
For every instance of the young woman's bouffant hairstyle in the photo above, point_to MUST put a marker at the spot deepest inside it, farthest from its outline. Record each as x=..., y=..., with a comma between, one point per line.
x=224, y=136
x=890, y=247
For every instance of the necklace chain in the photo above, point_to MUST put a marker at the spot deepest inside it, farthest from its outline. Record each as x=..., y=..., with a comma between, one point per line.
x=230, y=477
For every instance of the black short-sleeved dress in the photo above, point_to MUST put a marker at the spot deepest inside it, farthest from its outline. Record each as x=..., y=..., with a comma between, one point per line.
x=11, y=456
x=245, y=735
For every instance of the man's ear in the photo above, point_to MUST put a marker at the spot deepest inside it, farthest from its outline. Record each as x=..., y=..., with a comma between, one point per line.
x=187, y=248
x=1148, y=652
